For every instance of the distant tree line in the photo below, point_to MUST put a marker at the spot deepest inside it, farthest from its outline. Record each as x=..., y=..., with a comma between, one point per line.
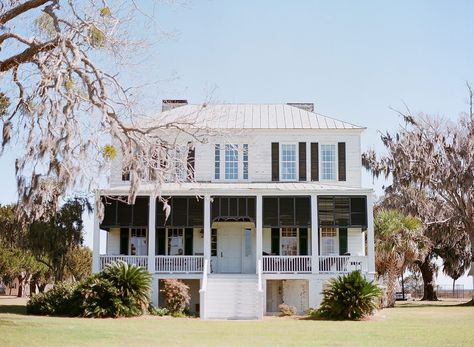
x=44, y=251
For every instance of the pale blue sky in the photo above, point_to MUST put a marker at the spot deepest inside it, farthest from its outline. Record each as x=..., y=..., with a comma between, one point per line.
x=352, y=59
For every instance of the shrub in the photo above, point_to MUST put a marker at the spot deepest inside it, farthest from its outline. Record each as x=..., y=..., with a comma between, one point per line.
x=121, y=290
x=176, y=295
x=158, y=311
x=286, y=310
x=61, y=300
x=349, y=297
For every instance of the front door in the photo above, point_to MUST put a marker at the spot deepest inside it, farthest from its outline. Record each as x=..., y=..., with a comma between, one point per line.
x=229, y=249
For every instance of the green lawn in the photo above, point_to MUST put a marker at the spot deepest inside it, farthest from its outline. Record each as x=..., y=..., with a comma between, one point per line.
x=440, y=324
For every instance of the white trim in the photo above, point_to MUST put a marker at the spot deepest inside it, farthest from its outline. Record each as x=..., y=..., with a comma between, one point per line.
x=96, y=238
x=151, y=233
x=314, y=234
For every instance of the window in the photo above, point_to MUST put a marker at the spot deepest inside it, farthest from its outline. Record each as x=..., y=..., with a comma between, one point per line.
x=179, y=156
x=289, y=241
x=245, y=161
x=329, y=241
x=175, y=241
x=288, y=162
x=217, y=161
x=231, y=162
x=328, y=162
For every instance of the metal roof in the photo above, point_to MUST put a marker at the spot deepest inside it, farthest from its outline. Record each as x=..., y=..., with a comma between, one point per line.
x=239, y=188
x=247, y=116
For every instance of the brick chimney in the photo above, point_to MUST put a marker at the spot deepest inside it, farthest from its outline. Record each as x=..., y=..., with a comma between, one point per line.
x=307, y=106
x=169, y=104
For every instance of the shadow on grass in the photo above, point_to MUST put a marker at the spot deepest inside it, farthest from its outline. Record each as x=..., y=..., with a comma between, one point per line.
x=14, y=309
x=440, y=304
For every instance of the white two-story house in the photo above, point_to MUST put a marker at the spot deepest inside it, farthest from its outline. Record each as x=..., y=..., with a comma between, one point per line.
x=275, y=208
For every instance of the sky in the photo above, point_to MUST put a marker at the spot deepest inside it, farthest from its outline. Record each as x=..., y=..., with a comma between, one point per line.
x=355, y=60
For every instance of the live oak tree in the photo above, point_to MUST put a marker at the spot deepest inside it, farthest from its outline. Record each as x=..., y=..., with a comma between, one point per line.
x=16, y=260
x=431, y=160
x=55, y=241
x=65, y=108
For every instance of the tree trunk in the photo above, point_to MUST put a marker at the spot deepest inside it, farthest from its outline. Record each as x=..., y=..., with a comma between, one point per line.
x=392, y=275
x=427, y=270
x=41, y=287
x=20, y=287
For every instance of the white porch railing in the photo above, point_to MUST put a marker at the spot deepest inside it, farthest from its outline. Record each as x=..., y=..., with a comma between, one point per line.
x=179, y=263
x=287, y=264
x=342, y=264
x=138, y=260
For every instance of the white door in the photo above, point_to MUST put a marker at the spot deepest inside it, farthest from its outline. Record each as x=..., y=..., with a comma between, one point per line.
x=138, y=245
x=229, y=249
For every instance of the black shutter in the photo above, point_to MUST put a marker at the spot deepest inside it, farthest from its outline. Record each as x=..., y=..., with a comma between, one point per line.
x=160, y=241
x=314, y=161
x=342, y=241
x=124, y=241
x=188, y=241
x=275, y=161
x=190, y=159
x=302, y=161
x=341, y=153
x=303, y=241
x=275, y=241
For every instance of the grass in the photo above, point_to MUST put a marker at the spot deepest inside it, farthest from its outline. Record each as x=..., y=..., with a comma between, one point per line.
x=409, y=324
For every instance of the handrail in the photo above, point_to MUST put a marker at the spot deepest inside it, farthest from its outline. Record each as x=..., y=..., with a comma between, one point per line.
x=259, y=264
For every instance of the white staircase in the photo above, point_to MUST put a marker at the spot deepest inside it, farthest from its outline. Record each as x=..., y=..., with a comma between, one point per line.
x=232, y=297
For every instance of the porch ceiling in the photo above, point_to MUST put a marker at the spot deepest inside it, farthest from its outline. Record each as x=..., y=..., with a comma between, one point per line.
x=240, y=188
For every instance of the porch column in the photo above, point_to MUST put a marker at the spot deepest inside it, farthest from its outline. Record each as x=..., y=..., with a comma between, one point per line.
x=151, y=233
x=259, y=231
x=96, y=238
x=314, y=234
x=207, y=231
x=155, y=291
x=370, y=236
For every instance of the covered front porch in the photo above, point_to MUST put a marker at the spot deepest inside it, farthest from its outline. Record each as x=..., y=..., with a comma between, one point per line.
x=289, y=233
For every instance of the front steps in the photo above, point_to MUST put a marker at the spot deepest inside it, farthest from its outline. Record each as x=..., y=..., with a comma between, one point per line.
x=233, y=297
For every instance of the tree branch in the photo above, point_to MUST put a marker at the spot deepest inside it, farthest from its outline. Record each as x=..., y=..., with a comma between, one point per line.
x=27, y=55
x=20, y=9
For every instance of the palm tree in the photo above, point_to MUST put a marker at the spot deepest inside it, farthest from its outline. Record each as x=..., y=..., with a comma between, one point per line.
x=399, y=242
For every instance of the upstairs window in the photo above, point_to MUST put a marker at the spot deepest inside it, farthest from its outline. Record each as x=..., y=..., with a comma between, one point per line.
x=288, y=162
x=231, y=162
x=328, y=162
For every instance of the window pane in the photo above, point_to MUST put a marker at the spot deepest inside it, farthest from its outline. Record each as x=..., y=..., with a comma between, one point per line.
x=288, y=162
x=231, y=162
x=328, y=162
